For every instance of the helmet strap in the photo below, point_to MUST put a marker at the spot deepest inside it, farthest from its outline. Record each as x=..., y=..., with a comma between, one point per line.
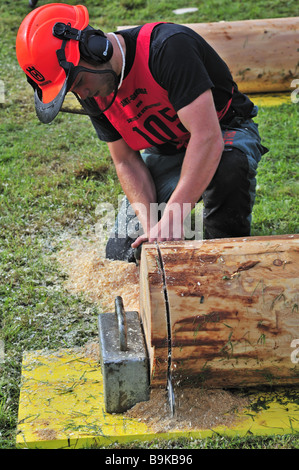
x=62, y=58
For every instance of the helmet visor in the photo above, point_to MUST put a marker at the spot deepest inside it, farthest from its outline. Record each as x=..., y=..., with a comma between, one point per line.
x=46, y=112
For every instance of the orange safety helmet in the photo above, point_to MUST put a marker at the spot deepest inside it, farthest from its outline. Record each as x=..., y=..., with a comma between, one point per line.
x=36, y=50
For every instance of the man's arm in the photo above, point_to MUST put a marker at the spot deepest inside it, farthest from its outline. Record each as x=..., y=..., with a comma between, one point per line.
x=201, y=160
x=135, y=179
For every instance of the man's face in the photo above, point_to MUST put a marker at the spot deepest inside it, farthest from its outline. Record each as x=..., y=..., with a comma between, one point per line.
x=89, y=85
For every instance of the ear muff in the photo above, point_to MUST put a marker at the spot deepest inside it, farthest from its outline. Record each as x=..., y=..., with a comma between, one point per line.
x=94, y=46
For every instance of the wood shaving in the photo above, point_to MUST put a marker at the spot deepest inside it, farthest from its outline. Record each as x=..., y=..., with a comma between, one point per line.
x=92, y=351
x=89, y=272
x=47, y=434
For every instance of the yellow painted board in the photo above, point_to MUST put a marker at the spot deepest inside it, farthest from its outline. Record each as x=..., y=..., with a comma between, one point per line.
x=62, y=406
x=271, y=99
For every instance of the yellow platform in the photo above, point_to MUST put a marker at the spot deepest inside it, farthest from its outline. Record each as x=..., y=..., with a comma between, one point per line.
x=271, y=99
x=62, y=406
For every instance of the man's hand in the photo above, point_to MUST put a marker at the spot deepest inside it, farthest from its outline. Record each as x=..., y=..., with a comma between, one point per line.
x=170, y=227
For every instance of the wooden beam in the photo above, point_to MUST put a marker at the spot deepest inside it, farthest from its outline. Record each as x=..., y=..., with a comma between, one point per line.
x=234, y=310
x=261, y=54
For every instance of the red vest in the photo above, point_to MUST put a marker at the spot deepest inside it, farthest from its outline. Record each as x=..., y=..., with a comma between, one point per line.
x=141, y=112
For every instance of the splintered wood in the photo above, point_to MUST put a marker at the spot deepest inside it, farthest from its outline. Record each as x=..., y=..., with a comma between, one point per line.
x=100, y=279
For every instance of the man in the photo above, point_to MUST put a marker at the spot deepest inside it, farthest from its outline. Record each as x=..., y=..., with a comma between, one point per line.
x=162, y=89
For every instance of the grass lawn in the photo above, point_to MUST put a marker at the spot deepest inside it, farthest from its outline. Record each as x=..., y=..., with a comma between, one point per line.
x=53, y=177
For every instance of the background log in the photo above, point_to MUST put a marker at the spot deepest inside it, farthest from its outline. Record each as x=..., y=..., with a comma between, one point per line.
x=262, y=54
x=233, y=310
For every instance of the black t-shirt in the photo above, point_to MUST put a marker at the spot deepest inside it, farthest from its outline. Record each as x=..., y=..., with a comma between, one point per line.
x=184, y=64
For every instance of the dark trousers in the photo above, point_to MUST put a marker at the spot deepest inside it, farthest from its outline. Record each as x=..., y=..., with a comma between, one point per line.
x=227, y=201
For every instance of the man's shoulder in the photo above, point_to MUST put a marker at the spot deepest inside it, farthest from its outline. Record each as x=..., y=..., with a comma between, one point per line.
x=167, y=31
x=162, y=31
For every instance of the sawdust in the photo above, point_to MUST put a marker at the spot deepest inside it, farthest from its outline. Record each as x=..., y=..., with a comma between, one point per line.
x=194, y=409
x=100, y=279
x=92, y=351
x=47, y=434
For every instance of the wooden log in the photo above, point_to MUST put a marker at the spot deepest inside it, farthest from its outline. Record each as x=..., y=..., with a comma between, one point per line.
x=152, y=308
x=233, y=306
x=262, y=54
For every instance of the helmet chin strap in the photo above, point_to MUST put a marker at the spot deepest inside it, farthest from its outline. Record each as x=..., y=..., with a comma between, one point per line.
x=76, y=70
x=72, y=71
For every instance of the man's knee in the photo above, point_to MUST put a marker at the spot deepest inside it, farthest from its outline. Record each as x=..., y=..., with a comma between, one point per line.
x=119, y=249
x=227, y=200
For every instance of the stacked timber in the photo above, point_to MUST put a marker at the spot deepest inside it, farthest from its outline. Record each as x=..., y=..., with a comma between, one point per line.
x=229, y=309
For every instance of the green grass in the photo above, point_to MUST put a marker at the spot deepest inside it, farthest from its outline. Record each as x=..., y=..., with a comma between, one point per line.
x=53, y=177
x=276, y=209
x=220, y=442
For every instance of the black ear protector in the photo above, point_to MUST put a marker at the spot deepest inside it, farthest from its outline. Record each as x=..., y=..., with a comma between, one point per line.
x=94, y=46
